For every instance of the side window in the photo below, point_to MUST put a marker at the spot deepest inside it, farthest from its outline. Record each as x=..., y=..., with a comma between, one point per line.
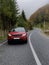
x=13, y=30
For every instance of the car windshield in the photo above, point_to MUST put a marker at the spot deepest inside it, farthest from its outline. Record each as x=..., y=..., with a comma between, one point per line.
x=18, y=30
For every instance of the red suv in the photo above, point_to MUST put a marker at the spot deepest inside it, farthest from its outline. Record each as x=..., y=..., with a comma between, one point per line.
x=16, y=35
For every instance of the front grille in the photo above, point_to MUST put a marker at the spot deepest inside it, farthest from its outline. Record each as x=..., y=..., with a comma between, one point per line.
x=17, y=35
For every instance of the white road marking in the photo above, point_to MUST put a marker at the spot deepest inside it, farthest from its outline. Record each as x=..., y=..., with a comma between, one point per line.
x=3, y=43
x=33, y=52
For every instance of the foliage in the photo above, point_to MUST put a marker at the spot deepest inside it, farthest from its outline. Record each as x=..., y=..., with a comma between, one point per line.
x=23, y=22
x=40, y=16
x=8, y=13
x=23, y=15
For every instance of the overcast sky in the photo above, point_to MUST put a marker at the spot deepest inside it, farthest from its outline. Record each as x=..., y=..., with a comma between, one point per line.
x=30, y=6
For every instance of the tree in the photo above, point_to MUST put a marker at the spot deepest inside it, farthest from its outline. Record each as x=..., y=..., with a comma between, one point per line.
x=23, y=15
x=23, y=22
x=9, y=13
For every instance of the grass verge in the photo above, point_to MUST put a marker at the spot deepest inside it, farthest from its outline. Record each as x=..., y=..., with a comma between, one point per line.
x=2, y=38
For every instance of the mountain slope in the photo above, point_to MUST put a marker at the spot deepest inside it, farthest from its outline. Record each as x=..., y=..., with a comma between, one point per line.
x=42, y=13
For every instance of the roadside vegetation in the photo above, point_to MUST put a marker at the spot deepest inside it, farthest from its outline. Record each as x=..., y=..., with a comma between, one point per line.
x=11, y=18
x=8, y=16
x=40, y=18
x=23, y=22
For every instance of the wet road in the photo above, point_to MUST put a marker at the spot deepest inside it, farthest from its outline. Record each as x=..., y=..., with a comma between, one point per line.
x=16, y=55
x=40, y=43
x=22, y=54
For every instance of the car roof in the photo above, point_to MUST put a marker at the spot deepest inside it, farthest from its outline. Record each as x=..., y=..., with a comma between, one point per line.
x=20, y=28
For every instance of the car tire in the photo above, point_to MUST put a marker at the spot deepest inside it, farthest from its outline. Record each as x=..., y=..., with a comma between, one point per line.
x=25, y=41
x=9, y=42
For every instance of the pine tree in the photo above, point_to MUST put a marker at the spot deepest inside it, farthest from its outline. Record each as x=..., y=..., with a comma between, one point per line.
x=23, y=15
x=8, y=13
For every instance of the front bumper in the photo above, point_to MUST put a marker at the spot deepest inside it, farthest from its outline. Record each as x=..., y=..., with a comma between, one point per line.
x=15, y=41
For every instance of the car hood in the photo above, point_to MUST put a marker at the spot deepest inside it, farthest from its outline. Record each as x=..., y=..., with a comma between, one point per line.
x=14, y=33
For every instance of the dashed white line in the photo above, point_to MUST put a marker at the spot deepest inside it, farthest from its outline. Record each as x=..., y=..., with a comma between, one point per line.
x=33, y=52
x=3, y=43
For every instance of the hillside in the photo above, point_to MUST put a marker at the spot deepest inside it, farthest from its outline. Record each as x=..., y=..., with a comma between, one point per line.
x=40, y=16
x=44, y=11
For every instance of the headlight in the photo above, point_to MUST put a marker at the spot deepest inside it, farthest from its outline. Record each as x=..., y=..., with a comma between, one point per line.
x=9, y=34
x=24, y=34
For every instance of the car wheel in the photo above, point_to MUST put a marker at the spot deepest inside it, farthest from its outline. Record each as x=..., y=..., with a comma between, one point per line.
x=9, y=42
x=25, y=41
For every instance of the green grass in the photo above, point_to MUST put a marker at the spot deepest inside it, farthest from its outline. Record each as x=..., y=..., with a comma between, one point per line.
x=41, y=25
x=2, y=38
x=3, y=35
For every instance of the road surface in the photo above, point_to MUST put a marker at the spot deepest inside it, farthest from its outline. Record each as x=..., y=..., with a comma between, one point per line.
x=35, y=52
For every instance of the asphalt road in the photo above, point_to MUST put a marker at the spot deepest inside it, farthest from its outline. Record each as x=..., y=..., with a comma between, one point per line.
x=41, y=45
x=20, y=54
x=23, y=54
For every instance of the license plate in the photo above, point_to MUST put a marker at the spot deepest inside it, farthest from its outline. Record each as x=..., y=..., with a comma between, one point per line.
x=16, y=38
